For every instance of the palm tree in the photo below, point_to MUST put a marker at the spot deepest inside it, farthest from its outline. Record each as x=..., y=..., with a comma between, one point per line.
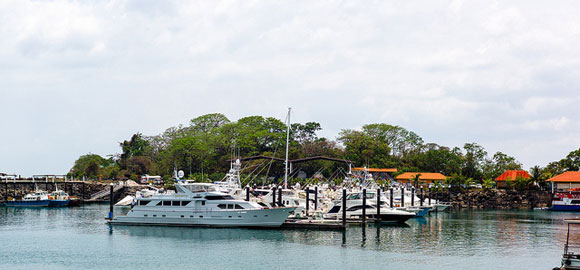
x=416, y=180
x=536, y=176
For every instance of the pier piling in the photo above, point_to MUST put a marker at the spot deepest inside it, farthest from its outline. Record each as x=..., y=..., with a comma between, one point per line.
x=273, y=197
x=344, y=207
x=429, y=197
x=364, y=209
x=315, y=198
x=307, y=200
x=413, y=196
x=391, y=199
x=247, y=193
x=378, y=203
x=402, y=196
x=280, y=196
x=111, y=202
x=421, y=196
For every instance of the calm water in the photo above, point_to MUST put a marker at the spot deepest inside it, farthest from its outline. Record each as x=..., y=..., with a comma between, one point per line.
x=78, y=238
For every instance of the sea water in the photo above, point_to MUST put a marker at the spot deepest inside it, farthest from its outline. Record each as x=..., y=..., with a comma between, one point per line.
x=79, y=238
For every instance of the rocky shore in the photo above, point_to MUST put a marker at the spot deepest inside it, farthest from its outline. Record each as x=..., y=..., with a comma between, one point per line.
x=497, y=199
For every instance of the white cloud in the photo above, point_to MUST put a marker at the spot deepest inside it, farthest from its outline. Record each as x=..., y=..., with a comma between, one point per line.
x=81, y=76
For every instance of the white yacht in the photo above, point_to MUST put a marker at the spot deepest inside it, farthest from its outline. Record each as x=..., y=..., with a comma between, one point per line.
x=200, y=204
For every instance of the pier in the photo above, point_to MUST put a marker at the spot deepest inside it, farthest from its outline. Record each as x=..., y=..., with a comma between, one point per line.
x=86, y=191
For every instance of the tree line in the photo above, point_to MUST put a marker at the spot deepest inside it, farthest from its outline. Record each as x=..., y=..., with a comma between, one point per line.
x=204, y=147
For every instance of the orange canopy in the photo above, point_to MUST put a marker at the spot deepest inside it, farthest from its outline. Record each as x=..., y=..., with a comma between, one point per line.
x=571, y=176
x=512, y=175
x=422, y=176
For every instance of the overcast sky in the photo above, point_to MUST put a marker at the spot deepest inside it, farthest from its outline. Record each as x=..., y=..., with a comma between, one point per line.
x=78, y=77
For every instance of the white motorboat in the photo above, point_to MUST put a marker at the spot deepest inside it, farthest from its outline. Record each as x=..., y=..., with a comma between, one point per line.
x=266, y=198
x=354, y=206
x=200, y=204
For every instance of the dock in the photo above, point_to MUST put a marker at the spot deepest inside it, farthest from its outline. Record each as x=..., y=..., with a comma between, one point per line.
x=315, y=224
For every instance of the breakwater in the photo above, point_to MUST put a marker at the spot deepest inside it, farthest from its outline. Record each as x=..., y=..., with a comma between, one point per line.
x=496, y=198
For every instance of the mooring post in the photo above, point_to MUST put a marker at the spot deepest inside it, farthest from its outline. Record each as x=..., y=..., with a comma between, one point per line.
x=83, y=195
x=378, y=204
x=421, y=196
x=402, y=196
x=273, y=197
x=344, y=207
x=247, y=194
x=430, y=196
x=391, y=199
x=6, y=191
x=315, y=198
x=280, y=196
x=413, y=196
x=364, y=206
x=307, y=200
x=111, y=202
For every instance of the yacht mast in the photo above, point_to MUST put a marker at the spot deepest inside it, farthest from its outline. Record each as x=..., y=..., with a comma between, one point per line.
x=286, y=160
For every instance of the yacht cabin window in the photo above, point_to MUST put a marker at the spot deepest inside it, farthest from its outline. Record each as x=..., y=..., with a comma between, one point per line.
x=144, y=202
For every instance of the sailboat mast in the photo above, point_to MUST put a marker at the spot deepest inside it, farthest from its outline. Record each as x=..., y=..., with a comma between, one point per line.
x=287, y=142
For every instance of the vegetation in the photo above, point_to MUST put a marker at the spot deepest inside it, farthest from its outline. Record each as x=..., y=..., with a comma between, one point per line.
x=203, y=148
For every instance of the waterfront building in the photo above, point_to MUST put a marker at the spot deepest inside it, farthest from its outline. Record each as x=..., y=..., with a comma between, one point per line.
x=566, y=181
x=425, y=178
x=510, y=175
x=151, y=179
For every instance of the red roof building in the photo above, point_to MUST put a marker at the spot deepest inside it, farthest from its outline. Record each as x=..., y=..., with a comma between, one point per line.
x=510, y=175
x=565, y=181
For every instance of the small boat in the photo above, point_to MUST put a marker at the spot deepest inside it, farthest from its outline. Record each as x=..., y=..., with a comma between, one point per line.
x=570, y=260
x=58, y=198
x=37, y=199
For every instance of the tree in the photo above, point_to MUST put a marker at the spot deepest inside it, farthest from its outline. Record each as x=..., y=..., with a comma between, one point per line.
x=305, y=133
x=89, y=166
x=536, y=176
x=572, y=161
x=398, y=139
x=364, y=149
x=474, y=158
x=492, y=168
x=134, y=147
x=208, y=123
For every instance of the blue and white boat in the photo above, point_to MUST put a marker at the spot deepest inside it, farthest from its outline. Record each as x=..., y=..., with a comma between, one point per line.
x=37, y=199
x=569, y=201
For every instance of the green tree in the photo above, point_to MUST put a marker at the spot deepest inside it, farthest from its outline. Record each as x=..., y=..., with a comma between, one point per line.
x=88, y=166
x=572, y=161
x=474, y=158
x=136, y=146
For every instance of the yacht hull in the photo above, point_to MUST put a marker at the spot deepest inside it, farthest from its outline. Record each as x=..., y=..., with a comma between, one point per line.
x=225, y=218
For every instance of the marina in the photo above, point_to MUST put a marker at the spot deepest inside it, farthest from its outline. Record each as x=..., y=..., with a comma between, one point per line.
x=468, y=239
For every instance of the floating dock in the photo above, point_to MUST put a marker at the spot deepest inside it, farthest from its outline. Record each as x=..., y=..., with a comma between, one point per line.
x=314, y=224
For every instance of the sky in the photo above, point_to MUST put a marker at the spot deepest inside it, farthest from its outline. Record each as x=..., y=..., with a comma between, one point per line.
x=78, y=77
